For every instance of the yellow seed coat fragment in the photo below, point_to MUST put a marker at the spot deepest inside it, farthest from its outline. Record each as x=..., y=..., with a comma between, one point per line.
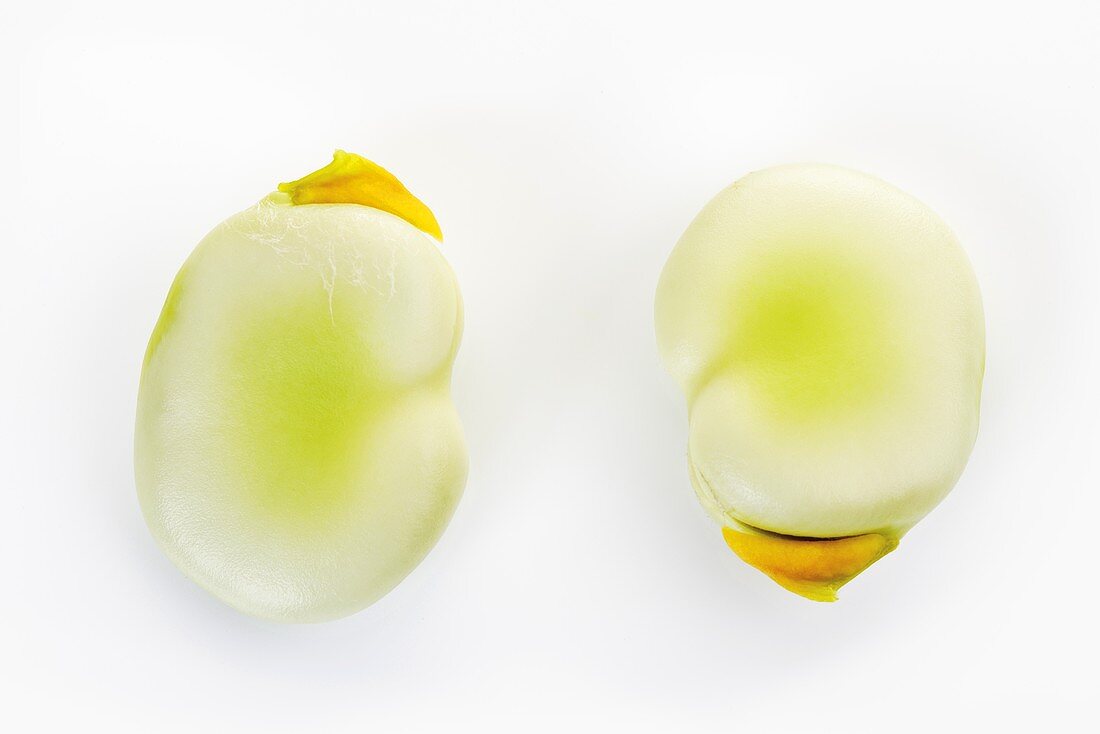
x=813, y=568
x=352, y=179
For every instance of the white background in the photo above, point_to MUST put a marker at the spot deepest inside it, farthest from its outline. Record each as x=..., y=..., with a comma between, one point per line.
x=564, y=147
